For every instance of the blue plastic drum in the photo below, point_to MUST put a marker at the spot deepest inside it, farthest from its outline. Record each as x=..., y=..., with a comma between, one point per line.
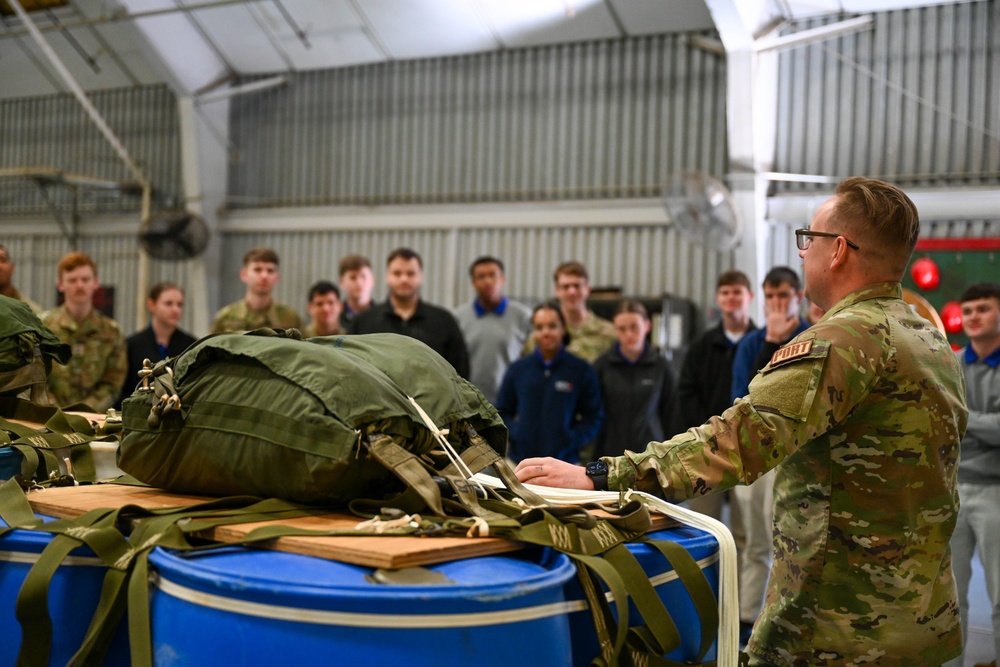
x=703, y=548
x=10, y=463
x=73, y=596
x=239, y=606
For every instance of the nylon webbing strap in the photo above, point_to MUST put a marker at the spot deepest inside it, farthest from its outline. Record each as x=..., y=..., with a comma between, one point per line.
x=407, y=467
x=697, y=586
x=478, y=455
x=62, y=430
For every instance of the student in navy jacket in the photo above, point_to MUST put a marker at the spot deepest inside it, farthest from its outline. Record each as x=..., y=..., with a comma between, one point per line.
x=550, y=399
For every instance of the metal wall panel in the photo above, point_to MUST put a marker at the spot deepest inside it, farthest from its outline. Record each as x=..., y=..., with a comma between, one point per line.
x=914, y=100
x=589, y=120
x=56, y=133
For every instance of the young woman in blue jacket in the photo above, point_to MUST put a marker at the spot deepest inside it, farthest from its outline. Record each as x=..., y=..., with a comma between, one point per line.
x=550, y=399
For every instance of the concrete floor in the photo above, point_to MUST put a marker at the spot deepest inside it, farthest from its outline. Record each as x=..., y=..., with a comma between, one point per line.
x=980, y=642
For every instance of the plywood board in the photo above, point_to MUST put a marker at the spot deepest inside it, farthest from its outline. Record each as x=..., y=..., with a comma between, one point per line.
x=372, y=551
x=390, y=552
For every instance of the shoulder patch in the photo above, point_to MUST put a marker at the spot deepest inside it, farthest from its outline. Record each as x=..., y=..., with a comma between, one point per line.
x=791, y=352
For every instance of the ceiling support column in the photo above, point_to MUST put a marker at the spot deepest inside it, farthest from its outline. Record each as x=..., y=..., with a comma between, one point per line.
x=204, y=175
x=751, y=121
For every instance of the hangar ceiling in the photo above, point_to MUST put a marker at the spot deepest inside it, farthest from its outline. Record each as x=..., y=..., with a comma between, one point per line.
x=198, y=45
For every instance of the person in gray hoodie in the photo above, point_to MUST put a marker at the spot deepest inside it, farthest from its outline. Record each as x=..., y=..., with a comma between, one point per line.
x=979, y=464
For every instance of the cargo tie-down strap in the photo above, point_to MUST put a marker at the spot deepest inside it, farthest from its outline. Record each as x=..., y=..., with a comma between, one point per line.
x=60, y=431
x=597, y=545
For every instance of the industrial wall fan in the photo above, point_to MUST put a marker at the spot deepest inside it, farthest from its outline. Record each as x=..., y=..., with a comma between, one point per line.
x=703, y=210
x=174, y=235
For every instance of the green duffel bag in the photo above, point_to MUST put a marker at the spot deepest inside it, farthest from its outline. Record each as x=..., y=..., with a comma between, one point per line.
x=27, y=349
x=270, y=415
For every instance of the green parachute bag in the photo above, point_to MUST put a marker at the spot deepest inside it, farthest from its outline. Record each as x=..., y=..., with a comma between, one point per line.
x=270, y=415
x=27, y=349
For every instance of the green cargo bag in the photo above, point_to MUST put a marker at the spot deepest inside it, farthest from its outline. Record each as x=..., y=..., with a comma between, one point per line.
x=27, y=348
x=270, y=415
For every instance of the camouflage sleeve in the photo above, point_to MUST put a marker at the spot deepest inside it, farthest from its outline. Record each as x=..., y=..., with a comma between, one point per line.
x=219, y=324
x=106, y=390
x=784, y=409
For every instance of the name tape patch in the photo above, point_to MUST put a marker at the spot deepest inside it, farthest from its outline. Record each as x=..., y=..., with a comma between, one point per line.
x=793, y=351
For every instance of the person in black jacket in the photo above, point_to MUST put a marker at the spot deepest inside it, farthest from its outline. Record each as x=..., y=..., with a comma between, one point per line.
x=407, y=314
x=707, y=375
x=161, y=339
x=636, y=385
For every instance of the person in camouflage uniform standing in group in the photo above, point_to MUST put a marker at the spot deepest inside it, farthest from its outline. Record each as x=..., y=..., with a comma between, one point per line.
x=862, y=414
x=257, y=309
x=94, y=374
x=591, y=335
x=7, y=284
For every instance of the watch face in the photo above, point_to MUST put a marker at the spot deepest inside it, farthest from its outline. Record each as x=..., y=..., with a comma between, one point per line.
x=597, y=468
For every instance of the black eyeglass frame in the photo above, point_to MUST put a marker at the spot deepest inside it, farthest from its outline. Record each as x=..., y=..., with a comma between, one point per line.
x=802, y=234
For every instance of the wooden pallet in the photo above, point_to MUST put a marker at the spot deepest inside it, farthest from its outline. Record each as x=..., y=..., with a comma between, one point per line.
x=391, y=552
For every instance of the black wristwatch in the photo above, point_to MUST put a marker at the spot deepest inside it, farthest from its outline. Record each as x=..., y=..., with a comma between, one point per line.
x=597, y=471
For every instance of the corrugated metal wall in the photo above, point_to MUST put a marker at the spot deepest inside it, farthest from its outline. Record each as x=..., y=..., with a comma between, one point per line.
x=914, y=101
x=590, y=120
x=642, y=260
x=56, y=133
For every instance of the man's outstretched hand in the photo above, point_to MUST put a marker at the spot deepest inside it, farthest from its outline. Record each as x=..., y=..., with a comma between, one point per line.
x=553, y=472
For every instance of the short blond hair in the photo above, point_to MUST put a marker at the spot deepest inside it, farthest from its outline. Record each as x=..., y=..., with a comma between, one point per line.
x=880, y=218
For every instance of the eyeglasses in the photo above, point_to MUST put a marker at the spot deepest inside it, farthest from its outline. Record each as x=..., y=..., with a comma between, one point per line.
x=803, y=237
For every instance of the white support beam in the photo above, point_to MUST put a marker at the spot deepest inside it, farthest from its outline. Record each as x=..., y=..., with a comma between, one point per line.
x=204, y=165
x=252, y=87
x=815, y=34
x=751, y=120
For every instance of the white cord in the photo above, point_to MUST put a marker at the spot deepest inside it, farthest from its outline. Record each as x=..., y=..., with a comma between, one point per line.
x=453, y=455
x=729, y=617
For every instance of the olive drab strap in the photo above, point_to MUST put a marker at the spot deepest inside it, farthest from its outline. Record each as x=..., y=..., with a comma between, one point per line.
x=597, y=545
x=60, y=431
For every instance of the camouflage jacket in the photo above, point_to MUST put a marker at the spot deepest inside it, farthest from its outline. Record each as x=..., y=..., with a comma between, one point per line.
x=96, y=371
x=863, y=413
x=35, y=308
x=238, y=316
x=588, y=341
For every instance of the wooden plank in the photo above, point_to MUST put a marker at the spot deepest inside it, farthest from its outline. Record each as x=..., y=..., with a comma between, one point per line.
x=390, y=552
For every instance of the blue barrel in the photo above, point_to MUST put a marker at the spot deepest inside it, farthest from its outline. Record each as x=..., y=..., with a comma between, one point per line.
x=238, y=606
x=10, y=463
x=73, y=596
x=703, y=548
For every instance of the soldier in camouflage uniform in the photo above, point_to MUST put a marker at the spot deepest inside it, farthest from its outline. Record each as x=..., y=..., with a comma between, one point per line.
x=6, y=281
x=257, y=309
x=591, y=335
x=94, y=374
x=862, y=415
